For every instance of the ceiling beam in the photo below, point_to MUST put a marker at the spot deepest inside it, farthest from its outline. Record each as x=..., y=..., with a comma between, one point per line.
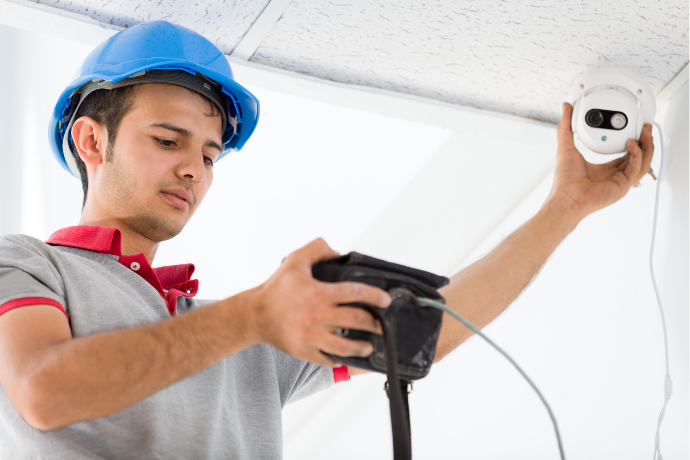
x=384, y=102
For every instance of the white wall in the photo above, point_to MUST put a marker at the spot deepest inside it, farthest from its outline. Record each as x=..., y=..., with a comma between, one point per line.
x=36, y=195
x=671, y=261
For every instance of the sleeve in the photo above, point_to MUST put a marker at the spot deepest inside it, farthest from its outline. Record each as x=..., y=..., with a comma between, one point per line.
x=298, y=379
x=27, y=277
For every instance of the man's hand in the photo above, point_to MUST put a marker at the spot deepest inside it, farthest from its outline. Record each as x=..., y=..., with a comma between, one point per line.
x=296, y=313
x=595, y=186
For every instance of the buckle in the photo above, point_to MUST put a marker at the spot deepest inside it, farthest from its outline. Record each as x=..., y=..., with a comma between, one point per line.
x=410, y=387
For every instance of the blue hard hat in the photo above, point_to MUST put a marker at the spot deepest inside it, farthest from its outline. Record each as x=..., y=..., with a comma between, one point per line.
x=138, y=49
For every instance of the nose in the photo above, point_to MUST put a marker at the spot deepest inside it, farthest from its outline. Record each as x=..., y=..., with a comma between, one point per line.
x=192, y=167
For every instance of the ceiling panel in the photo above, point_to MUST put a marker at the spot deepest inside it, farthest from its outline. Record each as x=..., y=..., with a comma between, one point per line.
x=516, y=58
x=224, y=22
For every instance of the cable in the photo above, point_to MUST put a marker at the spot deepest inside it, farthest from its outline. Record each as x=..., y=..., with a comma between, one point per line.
x=456, y=315
x=668, y=383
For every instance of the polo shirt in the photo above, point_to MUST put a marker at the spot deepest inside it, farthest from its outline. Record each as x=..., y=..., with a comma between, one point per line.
x=229, y=410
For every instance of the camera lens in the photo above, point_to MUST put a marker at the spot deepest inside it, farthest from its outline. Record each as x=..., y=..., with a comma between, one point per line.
x=619, y=120
x=594, y=118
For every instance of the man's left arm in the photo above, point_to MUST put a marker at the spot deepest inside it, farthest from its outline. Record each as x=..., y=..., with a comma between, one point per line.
x=484, y=289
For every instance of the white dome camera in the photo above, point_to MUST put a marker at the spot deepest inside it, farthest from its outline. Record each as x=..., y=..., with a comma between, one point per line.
x=610, y=106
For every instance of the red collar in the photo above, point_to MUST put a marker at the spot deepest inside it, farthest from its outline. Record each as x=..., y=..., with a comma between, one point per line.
x=176, y=279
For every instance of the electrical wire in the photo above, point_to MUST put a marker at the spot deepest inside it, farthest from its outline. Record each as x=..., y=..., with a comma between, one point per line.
x=668, y=383
x=456, y=315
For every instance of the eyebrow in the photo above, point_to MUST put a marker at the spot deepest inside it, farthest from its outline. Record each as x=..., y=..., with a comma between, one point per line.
x=185, y=133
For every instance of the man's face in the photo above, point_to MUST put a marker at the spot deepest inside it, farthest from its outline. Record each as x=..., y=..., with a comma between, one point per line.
x=162, y=163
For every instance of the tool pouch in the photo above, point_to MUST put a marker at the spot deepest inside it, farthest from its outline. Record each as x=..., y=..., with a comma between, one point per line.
x=415, y=329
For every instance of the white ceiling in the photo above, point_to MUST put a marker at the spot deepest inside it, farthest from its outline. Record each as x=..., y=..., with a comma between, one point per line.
x=514, y=58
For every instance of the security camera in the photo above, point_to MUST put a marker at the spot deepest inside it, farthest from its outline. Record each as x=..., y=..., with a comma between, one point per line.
x=610, y=106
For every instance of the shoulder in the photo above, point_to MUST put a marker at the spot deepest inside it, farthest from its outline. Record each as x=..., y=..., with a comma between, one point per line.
x=17, y=243
x=28, y=270
x=27, y=253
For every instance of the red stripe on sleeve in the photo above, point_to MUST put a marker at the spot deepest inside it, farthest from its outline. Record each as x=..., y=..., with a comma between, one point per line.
x=341, y=374
x=26, y=301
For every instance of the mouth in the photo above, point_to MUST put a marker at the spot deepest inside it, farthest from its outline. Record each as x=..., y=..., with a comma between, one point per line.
x=176, y=200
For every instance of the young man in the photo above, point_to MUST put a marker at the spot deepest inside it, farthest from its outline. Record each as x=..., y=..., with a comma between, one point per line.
x=102, y=356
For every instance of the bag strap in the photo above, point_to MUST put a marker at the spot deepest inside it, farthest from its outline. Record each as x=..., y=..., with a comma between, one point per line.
x=399, y=431
x=399, y=406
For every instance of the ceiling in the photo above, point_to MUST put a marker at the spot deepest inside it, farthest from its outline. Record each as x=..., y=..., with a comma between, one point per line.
x=513, y=58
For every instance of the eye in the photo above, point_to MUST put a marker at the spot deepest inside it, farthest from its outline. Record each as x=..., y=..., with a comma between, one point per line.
x=165, y=142
x=208, y=161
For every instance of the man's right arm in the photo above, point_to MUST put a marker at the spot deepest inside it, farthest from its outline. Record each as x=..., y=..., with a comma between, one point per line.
x=55, y=380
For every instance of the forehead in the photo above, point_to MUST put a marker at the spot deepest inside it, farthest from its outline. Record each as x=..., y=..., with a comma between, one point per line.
x=176, y=103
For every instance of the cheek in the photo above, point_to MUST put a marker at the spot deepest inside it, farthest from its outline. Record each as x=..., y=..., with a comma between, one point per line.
x=153, y=167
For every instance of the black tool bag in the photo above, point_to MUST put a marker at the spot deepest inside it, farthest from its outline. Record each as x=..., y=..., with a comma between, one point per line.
x=406, y=350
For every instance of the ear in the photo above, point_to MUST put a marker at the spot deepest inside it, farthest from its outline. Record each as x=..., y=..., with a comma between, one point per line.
x=91, y=140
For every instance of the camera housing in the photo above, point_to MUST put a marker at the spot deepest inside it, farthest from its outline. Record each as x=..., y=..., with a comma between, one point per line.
x=610, y=106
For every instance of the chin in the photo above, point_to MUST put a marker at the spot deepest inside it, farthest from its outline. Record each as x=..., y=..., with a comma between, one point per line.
x=155, y=227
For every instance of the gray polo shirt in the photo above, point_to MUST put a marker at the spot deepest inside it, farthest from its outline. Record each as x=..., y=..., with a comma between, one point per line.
x=229, y=410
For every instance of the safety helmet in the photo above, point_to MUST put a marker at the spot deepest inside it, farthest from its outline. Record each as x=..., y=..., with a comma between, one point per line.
x=131, y=54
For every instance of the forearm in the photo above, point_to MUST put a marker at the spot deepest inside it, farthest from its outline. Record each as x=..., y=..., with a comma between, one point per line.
x=98, y=375
x=483, y=290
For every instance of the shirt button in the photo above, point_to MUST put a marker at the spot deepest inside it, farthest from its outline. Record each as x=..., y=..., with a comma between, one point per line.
x=134, y=266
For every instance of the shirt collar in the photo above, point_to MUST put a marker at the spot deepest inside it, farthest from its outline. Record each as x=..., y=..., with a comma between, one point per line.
x=108, y=240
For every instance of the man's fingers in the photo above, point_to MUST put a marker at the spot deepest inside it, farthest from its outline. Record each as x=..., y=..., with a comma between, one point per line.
x=640, y=155
x=349, y=292
x=647, y=146
x=564, y=129
x=340, y=346
x=632, y=170
x=356, y=318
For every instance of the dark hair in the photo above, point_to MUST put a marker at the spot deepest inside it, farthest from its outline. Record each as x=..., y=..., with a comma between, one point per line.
x=108, y=108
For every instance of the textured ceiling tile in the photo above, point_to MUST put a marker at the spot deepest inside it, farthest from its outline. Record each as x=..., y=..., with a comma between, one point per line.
x=517, y=58
x=224, y=22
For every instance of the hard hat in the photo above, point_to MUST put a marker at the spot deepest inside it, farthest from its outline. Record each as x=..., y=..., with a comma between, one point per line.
x=131, y=54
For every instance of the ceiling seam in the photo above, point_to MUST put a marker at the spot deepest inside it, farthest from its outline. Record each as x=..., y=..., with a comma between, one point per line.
x=258, y=31
x=670, y=89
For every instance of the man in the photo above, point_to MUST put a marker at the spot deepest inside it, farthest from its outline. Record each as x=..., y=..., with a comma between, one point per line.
x=102, y=356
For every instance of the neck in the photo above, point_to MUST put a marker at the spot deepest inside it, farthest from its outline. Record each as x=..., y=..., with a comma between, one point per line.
x=132, y=242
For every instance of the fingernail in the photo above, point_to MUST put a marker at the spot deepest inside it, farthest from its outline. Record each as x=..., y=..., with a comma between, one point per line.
x=368, y=349
x=387, y=300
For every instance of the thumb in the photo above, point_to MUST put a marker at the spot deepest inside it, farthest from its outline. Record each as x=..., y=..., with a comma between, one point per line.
x=313, y=252
x=564, y=129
